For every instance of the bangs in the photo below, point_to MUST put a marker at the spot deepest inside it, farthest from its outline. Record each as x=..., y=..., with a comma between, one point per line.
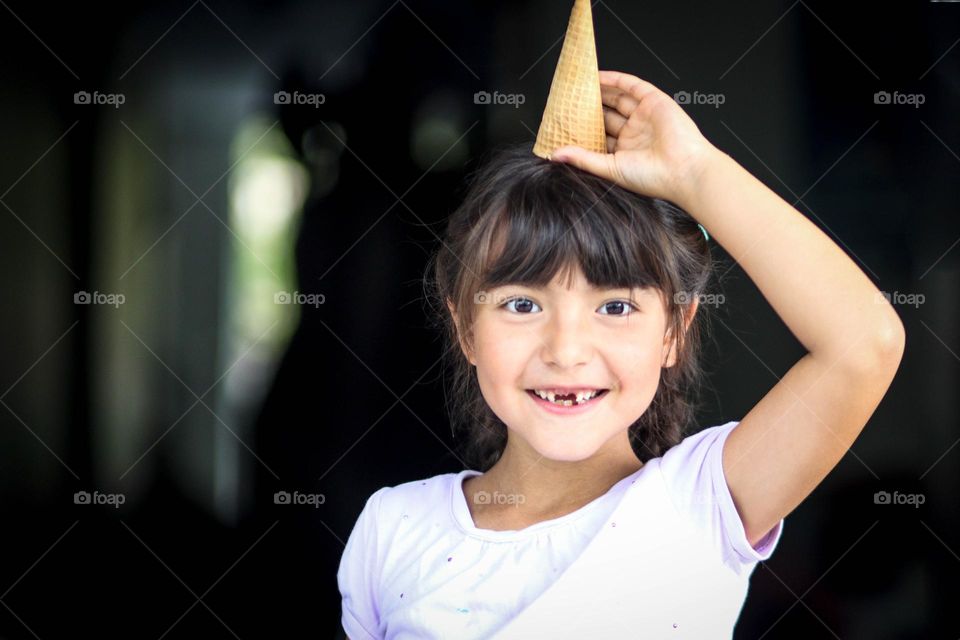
x=548, y=224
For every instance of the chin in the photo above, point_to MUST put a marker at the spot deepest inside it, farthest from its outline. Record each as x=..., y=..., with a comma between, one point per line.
x=563, y=450
x=567, y=456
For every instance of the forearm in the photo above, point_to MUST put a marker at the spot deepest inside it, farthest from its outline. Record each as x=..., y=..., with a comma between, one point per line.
x=825, y=300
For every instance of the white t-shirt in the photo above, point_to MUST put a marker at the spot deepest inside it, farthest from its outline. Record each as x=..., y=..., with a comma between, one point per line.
x=662, y=554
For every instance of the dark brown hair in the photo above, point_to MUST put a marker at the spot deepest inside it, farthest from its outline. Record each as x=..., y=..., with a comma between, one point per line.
x=523, y=221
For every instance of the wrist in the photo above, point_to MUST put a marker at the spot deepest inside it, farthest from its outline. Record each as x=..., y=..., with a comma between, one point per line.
x=691, y=179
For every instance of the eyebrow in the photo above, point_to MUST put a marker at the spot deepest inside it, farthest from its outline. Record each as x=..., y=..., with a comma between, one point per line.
x=590, y=287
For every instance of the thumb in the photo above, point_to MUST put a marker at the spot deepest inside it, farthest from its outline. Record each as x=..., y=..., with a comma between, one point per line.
x=596, y=163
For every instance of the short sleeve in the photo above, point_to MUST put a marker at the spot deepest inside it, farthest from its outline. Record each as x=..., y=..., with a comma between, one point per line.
x=693, y=474
x=358, y=572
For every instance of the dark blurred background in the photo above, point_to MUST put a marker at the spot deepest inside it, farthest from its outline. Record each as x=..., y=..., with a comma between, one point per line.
x=215, y=220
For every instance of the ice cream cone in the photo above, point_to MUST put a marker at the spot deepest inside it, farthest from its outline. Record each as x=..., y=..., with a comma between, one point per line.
x=574, y=111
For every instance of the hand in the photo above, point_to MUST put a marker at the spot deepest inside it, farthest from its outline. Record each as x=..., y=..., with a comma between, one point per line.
x=653, y=147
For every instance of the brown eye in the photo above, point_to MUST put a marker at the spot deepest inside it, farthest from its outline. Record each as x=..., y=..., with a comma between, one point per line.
x=617, y=308
x=522, y=304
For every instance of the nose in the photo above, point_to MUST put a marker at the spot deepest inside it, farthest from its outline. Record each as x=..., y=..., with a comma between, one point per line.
x=567, y=341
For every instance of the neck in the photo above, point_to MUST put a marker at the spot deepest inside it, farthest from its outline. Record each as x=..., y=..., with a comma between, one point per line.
x=549, y=486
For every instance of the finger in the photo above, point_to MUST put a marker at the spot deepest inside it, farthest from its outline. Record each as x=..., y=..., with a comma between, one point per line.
x=632, y=85
x=618, y=100
x=612, y=121
x=599, y=164
x=611, y=144
x=626, y=81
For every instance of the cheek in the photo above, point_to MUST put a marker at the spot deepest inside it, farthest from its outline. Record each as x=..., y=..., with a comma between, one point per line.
x=499, y=367
x=497, y=346
x=637, y=363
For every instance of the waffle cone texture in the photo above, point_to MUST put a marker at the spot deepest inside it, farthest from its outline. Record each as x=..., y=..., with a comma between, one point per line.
x=574, y=111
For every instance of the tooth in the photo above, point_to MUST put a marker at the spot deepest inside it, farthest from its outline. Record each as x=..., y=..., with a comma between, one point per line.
x=581, y=396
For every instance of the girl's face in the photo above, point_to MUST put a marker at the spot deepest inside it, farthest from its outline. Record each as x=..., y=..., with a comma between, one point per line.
x=528, y=339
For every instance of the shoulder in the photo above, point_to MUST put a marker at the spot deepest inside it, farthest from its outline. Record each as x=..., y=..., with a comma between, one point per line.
x=692, y=469
x=390, y=507
x=696, y=483
x=416, y=497
x=695, y=448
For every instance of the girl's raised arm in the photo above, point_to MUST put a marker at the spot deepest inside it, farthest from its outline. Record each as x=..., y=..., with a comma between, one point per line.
x=786, y=444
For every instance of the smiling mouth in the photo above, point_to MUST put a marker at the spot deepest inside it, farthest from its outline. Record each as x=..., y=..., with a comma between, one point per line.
x=568, y=399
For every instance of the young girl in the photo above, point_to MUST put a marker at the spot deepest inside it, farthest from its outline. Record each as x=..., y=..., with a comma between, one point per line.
x=572, y=291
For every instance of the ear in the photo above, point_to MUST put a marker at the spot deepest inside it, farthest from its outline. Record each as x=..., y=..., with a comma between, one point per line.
x=467, y=352
x=669, y=341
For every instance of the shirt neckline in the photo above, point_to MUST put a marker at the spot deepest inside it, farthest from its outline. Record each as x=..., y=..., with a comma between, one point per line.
x=461, y=512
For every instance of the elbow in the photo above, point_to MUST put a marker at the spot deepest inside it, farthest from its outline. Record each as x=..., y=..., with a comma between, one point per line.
x=891, y=341
x=883, y=348
x=873, y=350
